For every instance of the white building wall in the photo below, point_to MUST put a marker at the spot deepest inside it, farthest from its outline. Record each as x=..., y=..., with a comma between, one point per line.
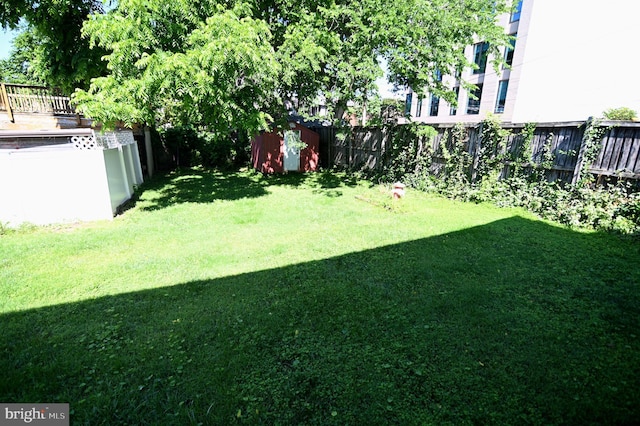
x=573, y=59
x=580, y=59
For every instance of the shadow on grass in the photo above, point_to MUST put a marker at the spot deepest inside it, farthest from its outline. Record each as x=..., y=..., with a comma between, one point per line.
x=206, y=186
x=509, y=323
x=199, y=186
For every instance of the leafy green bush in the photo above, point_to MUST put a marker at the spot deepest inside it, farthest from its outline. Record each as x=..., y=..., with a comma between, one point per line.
x=492, y=149
x=622, y=114
x=188, y=147
x=410, y=155
x=215, y=151
x=180, y=146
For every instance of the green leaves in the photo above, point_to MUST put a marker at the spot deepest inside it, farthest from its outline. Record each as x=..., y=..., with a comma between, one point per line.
x=59, y=56
x=622, y=113
x=231, y=65
x=222, y=76
x=429, y=36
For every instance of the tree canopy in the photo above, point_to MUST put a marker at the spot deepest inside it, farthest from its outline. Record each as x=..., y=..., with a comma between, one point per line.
x=16, y=68
x=232, y=65
x=56, y=53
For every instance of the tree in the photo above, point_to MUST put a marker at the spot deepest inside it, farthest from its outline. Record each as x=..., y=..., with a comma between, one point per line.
x=218, y=73
x=16, y=68
x=427, y=39
x=231, y=65
x=620, y=114
x=60, y=57
x=386, y=111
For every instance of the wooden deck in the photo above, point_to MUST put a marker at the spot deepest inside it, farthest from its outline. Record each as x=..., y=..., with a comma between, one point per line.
x=25, y=107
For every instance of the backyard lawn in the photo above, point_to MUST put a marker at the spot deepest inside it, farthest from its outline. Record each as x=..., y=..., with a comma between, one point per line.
x=220, y=298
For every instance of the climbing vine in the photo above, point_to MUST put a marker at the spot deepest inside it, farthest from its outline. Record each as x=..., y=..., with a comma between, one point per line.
x=492, y=149
x=591, y=144
x=457, y=160
x=411, y=153
x=522, y=157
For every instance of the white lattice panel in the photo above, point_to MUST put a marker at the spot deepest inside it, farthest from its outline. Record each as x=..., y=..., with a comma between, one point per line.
x=106, y=140
x=114, y=139
x=84, y=142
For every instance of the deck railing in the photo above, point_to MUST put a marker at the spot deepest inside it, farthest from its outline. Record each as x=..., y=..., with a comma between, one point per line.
x=33, y=99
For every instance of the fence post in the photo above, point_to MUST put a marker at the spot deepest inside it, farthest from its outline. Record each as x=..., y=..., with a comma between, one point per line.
x=350, y=148
x=5, y=100
x=385, y=130
x=149, y=150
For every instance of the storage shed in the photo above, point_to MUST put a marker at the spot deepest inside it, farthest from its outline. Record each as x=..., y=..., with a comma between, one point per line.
x=295, y=148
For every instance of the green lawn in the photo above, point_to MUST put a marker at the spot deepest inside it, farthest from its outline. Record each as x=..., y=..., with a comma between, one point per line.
x=314, y=299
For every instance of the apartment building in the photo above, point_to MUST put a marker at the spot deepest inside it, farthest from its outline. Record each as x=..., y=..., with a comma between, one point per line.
x=570, y=60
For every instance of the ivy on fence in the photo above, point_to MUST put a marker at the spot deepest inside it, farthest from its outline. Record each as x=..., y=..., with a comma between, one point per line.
x=490, y=163
x=589, y=150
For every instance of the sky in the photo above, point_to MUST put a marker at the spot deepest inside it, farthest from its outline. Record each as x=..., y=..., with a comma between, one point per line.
x=6, y=37
x=386, y=89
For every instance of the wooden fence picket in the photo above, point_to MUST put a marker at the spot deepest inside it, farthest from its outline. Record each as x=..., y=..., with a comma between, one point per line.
x=371, y=148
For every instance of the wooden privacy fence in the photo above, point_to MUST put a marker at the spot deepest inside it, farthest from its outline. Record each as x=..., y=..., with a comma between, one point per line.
x=364, y=148
x=23, y=98
x=373, y=148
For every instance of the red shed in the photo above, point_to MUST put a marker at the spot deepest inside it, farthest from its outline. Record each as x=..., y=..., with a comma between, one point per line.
x=294, y=149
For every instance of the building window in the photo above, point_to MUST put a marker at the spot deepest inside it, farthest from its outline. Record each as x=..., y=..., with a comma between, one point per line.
x=454, y=110
x=480, y=57
x=419, y=107
x=502, y=96
x=407, y=104
x=508, y=51
x=515, y=15
x=473, y=105
x=433, y=107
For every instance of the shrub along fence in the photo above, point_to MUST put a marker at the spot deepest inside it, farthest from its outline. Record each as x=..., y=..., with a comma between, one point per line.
x=566, y=151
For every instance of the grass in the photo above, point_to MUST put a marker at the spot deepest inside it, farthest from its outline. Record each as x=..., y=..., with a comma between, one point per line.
x=221, y=298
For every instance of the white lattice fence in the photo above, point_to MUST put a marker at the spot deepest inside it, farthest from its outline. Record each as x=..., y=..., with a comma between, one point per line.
x=84, y=142
x=109, y=140
x=106, y=140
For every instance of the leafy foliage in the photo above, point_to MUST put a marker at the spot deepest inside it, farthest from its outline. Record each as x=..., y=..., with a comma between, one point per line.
x=593, y=133
x=219, y=72
x=17, y=68
x=233, y=65
x=410, y=152
x=188, y=147
x=457, y=160
x=491, y=151
x=428, y=38
x=384, y=111
x=622, y=114
x=57, y=55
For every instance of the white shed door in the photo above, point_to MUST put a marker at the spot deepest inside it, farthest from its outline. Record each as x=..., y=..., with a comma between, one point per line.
x=292, y=146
